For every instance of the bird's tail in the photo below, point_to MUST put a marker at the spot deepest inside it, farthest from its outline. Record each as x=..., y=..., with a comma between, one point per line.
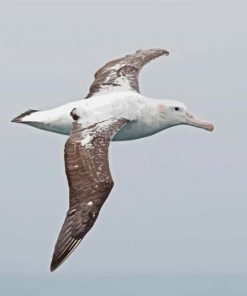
x=21, y=117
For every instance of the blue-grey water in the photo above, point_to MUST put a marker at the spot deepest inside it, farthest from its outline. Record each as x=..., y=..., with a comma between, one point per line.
x=124, y=286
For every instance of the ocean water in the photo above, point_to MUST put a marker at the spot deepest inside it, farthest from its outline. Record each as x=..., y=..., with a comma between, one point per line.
x=124, y=286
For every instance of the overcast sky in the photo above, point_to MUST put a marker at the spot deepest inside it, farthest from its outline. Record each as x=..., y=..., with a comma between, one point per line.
x=179, y=203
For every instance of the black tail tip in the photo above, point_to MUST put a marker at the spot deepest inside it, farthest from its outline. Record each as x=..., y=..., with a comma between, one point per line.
x=19, y=118
x=16, y=119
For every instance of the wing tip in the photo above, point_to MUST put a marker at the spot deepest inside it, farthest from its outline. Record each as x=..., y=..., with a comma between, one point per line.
x=58, y=260
x=52, y=268
x=54, y=265
x=166, y=52
x=162, y=51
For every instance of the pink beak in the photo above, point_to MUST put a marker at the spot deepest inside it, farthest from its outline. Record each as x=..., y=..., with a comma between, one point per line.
x=191, y=120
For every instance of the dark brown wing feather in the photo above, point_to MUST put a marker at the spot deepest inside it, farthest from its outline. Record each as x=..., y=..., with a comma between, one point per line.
x=123, y=72
x=90, y=182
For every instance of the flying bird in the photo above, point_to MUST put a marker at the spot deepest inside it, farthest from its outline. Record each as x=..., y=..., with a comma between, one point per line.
x=113, y=110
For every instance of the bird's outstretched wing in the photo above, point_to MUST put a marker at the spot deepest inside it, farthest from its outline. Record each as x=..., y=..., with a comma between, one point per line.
x=122, y=73
x=90, y=182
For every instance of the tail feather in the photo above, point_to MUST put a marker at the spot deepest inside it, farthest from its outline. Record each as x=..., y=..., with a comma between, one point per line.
x=19, y=118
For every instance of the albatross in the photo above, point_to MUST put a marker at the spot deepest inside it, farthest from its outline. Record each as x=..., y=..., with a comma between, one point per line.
x=113, y=110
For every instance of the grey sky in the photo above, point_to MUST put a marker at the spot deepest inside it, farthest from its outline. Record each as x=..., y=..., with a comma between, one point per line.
x=179, y=203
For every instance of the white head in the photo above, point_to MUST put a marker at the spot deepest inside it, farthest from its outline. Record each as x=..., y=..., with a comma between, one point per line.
x=175, y=113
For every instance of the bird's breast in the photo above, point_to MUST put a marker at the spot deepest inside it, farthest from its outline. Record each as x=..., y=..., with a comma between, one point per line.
x=136, y=129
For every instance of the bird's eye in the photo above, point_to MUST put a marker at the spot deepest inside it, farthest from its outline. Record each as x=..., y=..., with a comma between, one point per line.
x=176, y=108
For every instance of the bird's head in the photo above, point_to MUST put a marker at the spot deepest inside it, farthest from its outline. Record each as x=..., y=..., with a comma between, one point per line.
x=176, y=113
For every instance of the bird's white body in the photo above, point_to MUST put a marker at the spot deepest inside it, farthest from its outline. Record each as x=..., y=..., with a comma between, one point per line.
x=143, y=113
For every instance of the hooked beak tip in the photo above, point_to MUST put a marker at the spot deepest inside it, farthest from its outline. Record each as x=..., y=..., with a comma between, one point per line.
x=210, y=127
